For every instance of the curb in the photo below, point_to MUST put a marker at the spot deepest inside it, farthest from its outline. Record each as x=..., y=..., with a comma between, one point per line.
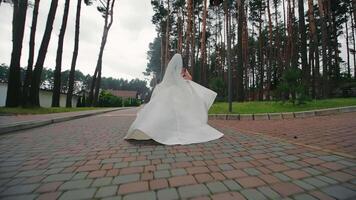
x=284, y=115
x=7, y=128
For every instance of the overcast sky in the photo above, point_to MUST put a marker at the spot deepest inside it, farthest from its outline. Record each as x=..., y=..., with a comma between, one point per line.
x=125, y=52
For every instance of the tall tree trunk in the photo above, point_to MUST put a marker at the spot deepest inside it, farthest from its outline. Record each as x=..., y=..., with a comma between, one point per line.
x=270, y=52
x=28, y=76
x=303, y=47
x=188, y=35
x=240, y=68
x=261, y=60
x=180, y=33
x=107, y=26
x=18, y=27
x=36, y=79
x=74, y=57
x=347, y=49
x=228, y=52
x=314, y=45
x=167, y=36
x=57, y=71
x=353, y=41
x=203, y=70
x=324, y=47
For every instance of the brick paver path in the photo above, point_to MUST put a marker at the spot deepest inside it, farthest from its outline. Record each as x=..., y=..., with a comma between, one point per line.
x=335, y=132
x=88, y=159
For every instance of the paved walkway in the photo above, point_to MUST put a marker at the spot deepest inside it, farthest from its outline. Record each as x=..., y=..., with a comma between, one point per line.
x=9, y=119
x=87, y=158
x=334, y=132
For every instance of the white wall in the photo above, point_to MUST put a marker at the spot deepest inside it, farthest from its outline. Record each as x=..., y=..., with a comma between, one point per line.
x=45, y=97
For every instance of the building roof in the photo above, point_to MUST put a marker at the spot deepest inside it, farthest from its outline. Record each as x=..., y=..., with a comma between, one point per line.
x=124, y=93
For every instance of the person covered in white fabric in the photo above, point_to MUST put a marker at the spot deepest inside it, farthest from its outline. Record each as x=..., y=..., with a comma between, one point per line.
x=177, y=112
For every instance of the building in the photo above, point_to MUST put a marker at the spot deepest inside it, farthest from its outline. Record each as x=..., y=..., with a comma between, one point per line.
x=45, y=97
x=125, y=94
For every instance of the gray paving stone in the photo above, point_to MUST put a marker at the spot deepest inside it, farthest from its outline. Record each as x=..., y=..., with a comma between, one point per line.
x=20, y=189
x=281, y=177
x=112, y=198
x=80, y=175
x=121, y=165
x=232, y=185
x=141, y=196
x=252, y=171
x=167, y=194
x=216, y=187
x=268, y=192
x=77, y=184
x=292, y=165
x=126, y=178
x=58, y=177
x=102, y=181
x=339, y=192
x=252, y=194
x=178, y=172
x=161, y=174
x=304, y=197
x=304, y=185
x=29, y=173
x=106, y=191
x=20, y=197
x=78, y=194
x=139, y=163
x=327, y=179
x=315, y=182
x=163, y=166
x=226, y=167
x=193, y=191
x=61, y=164
x=289, y=158
x=111, y=160
x=53, y=171
x=312, y=171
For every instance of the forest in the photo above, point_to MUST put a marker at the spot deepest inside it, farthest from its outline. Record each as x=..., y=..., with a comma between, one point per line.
x=25, y=91
x=249, y=50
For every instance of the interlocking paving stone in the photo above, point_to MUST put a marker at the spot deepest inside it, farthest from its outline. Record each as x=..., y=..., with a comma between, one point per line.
x=141, y=196
x=78, y=194
x=21, y=197
x=126, y=178
x=20, y=189
x=102, y=181
x=217, y=187
x=339, y=192
x=68, y=154
x=193, y=191
x=106, y=191
x=232, y=185
x=58, y=177
x=167, y=194
x=304, y=197
x=252, y=194
x=78, y=184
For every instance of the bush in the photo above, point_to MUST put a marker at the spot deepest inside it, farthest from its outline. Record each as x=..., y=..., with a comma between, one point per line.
x=106, y=99
x=291, y=87
x=217, y=84
x=131, y=102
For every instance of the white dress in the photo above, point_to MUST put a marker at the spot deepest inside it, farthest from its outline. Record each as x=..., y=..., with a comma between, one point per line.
x=177, y=112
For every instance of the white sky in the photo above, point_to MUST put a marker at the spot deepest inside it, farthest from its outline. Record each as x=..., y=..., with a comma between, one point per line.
x=125, y=52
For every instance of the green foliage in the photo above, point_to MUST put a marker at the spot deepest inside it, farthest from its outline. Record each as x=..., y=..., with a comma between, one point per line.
x=106, y=99
x=154, y=58
x=275, y=107
x=217, y=84
x=291, y=86
x=131, y=102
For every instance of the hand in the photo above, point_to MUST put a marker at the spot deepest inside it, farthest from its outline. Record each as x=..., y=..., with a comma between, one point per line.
x=186, y=75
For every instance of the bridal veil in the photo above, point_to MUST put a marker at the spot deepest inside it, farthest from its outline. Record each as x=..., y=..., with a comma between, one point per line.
x=177, y=112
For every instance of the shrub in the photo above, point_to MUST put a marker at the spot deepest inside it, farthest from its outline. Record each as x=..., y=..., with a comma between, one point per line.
x=106, y=99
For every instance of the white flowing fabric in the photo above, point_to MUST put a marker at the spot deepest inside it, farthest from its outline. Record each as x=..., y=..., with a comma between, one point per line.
x=177, y=112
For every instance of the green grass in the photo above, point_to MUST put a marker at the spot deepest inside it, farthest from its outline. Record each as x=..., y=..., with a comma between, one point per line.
x=19, y=110
x=273, y=107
